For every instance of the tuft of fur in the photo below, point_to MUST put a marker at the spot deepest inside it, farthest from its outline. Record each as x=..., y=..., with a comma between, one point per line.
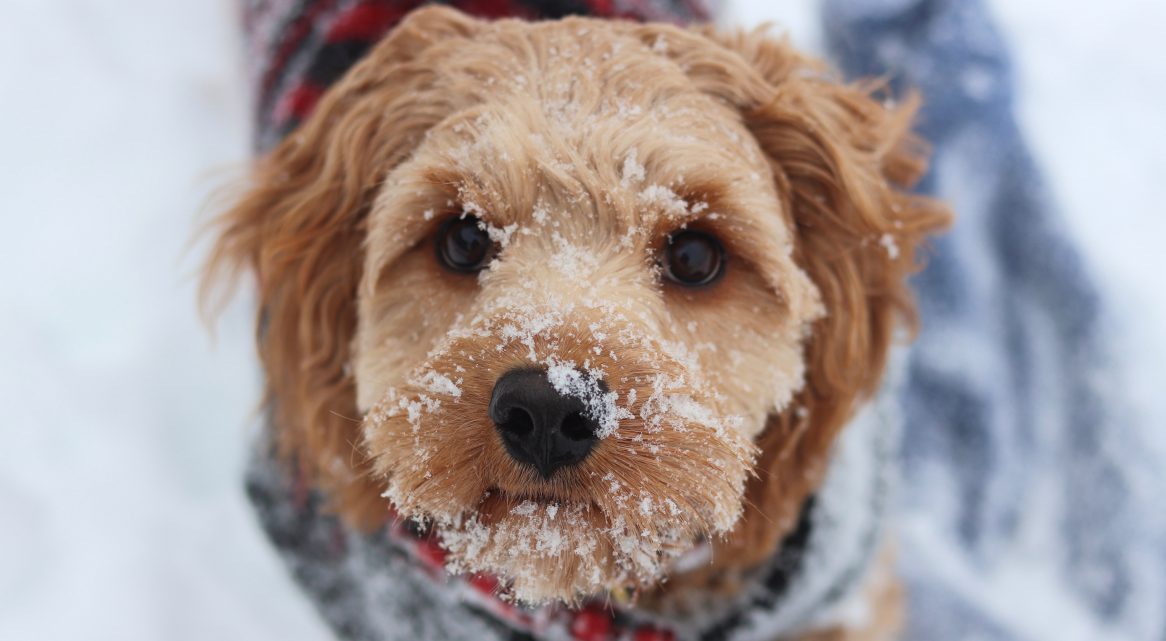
x=581, y=144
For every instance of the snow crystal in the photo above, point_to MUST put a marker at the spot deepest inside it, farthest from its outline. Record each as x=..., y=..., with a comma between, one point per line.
x=500, y=235
x=646, y=506
x=633, y=171
x=670, y=203
x=889, y=244
x=677, y=409
x=573, y=261
x=599, y=406
x=526, y=534
x=472, y=208
x=436, y=383
x=523, y=328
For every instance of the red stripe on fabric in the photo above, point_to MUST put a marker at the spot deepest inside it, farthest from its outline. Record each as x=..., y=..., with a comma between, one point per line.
x=293, y=36
x=368, y=21
x=493, y=9
x=298, y=103
x=653, y=634
x=592, y=623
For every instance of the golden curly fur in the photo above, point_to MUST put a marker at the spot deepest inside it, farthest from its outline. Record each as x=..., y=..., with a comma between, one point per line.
x=582, y=144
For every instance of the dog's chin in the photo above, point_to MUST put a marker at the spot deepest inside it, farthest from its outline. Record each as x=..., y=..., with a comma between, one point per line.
x=550, y=543
x=617, y=521
x=548, y=549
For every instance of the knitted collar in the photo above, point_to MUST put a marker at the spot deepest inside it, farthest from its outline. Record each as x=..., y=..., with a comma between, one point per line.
x=392, y=584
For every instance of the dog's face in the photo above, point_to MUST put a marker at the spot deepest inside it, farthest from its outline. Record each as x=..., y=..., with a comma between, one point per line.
x=575, y=268
x=587, y=215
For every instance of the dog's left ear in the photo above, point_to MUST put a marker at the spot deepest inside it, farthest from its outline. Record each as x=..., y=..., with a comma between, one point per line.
x=299, y=228
x=843, y=160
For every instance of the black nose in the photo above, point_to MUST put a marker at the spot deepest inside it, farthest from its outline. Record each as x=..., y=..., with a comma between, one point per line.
x=539, y=426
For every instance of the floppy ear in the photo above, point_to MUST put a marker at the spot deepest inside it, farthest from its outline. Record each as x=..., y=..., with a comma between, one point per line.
x=843, y=161
x=299, y=228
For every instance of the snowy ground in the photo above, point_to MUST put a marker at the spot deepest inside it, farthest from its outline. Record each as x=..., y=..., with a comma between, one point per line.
x=124, y=426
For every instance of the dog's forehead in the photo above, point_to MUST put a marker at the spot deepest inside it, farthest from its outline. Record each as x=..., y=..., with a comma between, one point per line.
x=559, y=117
x=588, y=117
x=618, y=166
x=595, y=134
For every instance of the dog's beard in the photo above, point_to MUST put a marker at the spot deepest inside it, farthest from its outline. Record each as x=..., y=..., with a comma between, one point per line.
x=671, y=471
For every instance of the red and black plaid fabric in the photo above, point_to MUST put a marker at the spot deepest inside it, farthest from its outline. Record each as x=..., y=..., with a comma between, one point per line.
x=298, y=48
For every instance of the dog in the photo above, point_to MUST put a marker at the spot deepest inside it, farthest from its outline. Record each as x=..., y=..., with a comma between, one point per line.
x=584, y=308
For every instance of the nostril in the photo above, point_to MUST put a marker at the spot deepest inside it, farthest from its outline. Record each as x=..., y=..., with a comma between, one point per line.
x=576, y=427
x=518, y=422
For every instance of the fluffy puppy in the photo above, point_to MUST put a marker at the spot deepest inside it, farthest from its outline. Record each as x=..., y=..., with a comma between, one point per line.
x=583, y=296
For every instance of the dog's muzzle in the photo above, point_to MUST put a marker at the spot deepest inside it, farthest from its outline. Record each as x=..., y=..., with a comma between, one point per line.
x=540, y=426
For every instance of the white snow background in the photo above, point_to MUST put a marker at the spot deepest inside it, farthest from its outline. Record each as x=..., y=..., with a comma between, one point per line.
x=123, y=426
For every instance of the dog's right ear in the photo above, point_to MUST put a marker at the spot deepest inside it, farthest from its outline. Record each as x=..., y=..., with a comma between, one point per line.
x=299, y=227
x=843, y=159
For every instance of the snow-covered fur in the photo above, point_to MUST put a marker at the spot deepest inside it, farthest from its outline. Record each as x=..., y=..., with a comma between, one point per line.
x=581, y=147
x=390, y=584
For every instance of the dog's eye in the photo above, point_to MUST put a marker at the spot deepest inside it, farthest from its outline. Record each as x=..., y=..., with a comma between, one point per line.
x=693, y=258
x=462, y=245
